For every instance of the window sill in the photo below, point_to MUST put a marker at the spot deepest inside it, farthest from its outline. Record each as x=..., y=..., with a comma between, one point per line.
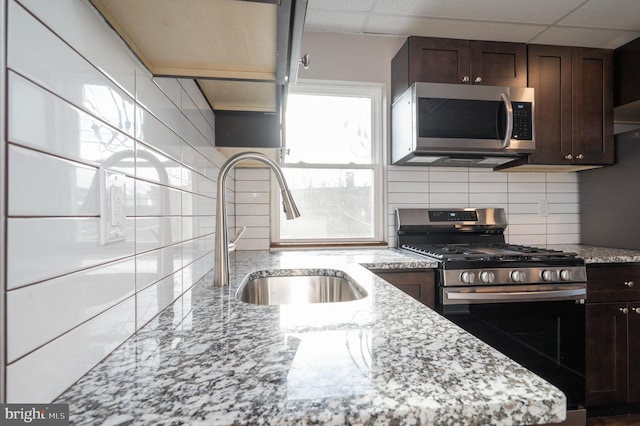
x=328, y=245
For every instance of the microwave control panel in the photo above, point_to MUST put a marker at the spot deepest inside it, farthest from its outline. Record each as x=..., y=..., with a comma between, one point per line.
x=522, y=121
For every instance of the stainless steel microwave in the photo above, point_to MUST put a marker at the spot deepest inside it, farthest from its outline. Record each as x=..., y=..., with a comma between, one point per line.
x=439, y=124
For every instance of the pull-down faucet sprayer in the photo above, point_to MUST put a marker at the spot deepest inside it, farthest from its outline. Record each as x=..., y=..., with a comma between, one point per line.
x=221, y=265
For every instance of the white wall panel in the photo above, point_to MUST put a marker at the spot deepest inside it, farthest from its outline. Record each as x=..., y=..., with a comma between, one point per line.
x=41, y=248
x=39, y=313
x=44, y=374
x=71, y=97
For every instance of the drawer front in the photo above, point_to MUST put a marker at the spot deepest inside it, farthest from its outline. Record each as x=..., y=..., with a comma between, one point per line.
x=613, y=283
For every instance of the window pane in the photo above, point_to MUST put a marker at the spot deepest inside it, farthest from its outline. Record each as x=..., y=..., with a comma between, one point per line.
x=333, y=203
x=328, y=129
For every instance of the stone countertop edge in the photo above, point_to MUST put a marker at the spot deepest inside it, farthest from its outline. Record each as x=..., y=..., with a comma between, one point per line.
x=209, y=359
x=595, y=254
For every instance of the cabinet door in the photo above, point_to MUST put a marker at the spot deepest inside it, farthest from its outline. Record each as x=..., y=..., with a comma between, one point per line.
x=498, y=63
x=606, y=353
x=592, y=106
x=438, y=60
x=418, y=284
x=550, y=75
x=634, y=352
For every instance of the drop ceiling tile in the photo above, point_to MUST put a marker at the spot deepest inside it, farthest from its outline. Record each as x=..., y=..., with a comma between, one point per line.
x=341, y=5
x=621, y=14
x=449, y=28
x=539, y=11
x=321, y=20
x=585, y=37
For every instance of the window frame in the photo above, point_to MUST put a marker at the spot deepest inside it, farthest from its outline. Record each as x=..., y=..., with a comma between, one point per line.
x=376, y=92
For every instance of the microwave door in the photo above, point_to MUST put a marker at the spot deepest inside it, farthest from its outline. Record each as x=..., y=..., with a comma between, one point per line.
x=465, y=125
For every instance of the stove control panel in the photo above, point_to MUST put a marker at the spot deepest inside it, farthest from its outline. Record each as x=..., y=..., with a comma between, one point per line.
x=506, y=275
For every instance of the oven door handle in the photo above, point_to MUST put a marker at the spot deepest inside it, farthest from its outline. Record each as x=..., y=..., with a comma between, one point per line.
x=515, y=296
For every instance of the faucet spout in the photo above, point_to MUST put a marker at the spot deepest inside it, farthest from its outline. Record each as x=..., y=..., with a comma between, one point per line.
x=221, y=261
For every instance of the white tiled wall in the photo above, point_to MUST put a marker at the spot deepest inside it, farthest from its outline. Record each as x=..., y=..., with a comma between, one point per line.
x=78, y=101
x=518, y=193
x=439, y=187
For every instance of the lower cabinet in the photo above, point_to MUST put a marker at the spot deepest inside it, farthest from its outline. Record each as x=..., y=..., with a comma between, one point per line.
x=417, y=283
x=613, y=335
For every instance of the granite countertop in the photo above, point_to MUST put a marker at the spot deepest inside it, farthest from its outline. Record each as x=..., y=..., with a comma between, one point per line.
x=594, y=254
x=385, y=359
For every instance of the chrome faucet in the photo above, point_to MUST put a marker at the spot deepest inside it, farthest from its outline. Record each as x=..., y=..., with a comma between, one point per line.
x=221, y=265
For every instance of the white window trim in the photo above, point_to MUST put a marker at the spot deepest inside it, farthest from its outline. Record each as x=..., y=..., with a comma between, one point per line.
x=376, y=91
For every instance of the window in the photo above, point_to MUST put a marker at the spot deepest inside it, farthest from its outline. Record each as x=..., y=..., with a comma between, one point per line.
x=333, y=164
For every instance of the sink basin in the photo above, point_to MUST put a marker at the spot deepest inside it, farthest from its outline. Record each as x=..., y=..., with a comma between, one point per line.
x=299, y=287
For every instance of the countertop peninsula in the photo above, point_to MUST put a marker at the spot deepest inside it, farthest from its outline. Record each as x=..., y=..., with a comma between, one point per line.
x=385, y=359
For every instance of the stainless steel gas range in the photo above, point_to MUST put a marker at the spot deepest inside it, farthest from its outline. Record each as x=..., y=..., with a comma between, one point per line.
x=527, y=302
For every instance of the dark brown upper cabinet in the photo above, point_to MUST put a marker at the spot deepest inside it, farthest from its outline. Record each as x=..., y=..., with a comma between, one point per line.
x=574, y=107
x=442, y=60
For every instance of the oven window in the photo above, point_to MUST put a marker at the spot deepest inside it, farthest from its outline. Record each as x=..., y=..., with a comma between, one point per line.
x=545, y=337
x=461, y=119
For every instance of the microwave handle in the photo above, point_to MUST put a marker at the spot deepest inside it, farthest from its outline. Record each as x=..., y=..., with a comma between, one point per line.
x=509, y=109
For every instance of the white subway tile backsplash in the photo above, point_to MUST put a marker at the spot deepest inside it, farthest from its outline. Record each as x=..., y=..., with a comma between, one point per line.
x=526, y=198
x=157, y=167
x=484, y=187
x=73, y=134
x=526, y=177
x=448, y=176
x=252, y=209
x=154, y=100
x=449, y=187
x=198, y=226
x=526, y=187
x=261, y=220
x=480, y=175
x=157, y=200
x=399, y=186
x=74, y=23
x=42, y=57
x=452, y=198
x=491, y=199
x=563, y=239
x=41, y=248
x=37, y=314
x=252, y=186
x=153, y=299
x=78, y=100
x=44, y=374
x=43, y=185
x=252, y=174
x=252, y=197
x=564, y=208
x=157, y=232
x=196, y=248
x=154, y=265
x=408, y=198
x=155, y=133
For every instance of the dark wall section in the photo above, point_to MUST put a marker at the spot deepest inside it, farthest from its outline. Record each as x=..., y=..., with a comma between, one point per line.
x=610, y=198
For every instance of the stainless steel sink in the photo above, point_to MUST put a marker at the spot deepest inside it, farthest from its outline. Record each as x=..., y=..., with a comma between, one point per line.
x=299, y=287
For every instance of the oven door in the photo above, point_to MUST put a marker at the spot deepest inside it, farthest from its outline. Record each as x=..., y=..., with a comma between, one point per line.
x=543, y=332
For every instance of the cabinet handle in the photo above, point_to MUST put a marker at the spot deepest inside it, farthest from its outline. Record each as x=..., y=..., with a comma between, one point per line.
x=478, y=80
x=624, y=310
x=629, y=284
x=568, y=157
x=580, y=157
x=465, y=79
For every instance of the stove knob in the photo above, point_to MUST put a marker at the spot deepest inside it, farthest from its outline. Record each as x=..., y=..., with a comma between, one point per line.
x=549, y=275
x=565, y=275
x=518, y=276
x=468, y=277
x=487, y=277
